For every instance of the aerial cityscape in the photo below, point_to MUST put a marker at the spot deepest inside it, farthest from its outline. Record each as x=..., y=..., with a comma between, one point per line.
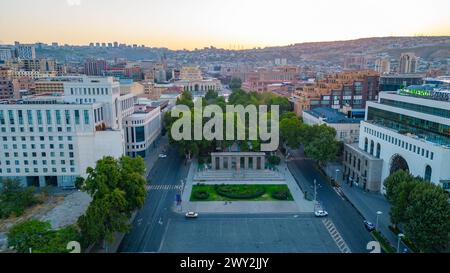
x=131, y=127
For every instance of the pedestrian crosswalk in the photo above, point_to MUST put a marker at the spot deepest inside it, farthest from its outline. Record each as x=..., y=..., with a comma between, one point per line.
x=342, y=245
x=163, y=187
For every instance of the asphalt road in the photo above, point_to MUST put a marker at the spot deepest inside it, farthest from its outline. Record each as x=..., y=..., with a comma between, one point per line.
x=248, y=233
x=345, y=217
x=151, y=221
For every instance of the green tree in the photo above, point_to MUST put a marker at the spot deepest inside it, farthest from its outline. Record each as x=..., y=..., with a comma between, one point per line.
x=398, y=189
x=40, y=238
x=291, y=131
x=186, y=99
x=14, y=198
x=235, y=83
x=211, y=95
x=117, y=188
x=274, y=160
x=320, y=143
x=428, y=217
x=282, y=102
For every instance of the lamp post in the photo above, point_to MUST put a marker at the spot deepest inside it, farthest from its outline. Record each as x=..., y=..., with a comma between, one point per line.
x=378, y=214
x=400, y=236
x=335, y=176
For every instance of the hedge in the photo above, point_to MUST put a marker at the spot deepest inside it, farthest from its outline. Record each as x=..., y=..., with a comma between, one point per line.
x=239, y=191
x=201, y=195
x=280, y=195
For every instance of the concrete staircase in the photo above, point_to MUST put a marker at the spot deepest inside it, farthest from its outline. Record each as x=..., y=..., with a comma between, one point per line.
x=209, y=176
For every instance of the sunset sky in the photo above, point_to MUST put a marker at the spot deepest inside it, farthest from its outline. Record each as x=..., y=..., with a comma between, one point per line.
x=188, y=24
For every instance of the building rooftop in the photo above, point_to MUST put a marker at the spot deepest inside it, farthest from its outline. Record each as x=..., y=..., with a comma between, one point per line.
x=332, y=115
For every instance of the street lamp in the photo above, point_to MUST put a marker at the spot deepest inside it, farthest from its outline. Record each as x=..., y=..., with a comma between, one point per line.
x=378, y=214
x=400, y=236
x=335, y=176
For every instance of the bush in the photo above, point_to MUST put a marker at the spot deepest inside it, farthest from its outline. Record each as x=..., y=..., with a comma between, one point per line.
x=280, y=195
x=14, y=198
x=239, y=191
x=274, y=160
x=201, y=195
x=384, y=243
x=39, y=236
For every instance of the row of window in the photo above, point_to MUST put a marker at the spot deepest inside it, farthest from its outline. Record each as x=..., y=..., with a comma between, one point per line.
x=36, y=170
x=31, y=117
x=35, y=154
x=89, y=91
x=33, y=138
x=36, y=162
x=445, y=113
x=400, y=143
x=31, y=129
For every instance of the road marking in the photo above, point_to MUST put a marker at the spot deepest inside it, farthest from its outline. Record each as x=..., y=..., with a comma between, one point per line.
x=334, y=233
x=338, y=193
x=163, y=187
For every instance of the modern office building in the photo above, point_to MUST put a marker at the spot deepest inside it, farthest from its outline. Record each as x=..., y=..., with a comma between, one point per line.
x=142, y=130
x=408, y=129
x=25, y=51
x=52, y=139
x=395, y=82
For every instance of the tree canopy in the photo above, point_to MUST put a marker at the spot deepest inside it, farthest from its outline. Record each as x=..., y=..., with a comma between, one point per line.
x=38, y=237
x=117, y=187
x=422, y=208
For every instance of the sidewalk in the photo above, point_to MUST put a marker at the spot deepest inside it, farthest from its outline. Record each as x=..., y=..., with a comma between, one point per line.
x=366, y=203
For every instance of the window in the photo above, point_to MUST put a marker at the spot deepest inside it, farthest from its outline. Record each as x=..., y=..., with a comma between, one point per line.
x=427, y=176
x=86, y=117
x=19, y=113
x=2, y=118
x=140, y=134
x=77, y=117
x=67, y=115
x=30, y=117
x=58, y=117
x=11, y=117
x=48, y=117
x=39, y=117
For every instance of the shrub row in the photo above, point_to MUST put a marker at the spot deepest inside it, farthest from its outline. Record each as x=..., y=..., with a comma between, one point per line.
x=239, y=191
x=201, y=195
x=280, y=195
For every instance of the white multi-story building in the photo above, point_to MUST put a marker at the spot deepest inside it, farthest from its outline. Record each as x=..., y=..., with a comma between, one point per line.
x=51, y=140
x=408, y=129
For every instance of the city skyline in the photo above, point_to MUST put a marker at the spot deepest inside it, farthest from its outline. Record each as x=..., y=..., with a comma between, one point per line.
x=198, y=23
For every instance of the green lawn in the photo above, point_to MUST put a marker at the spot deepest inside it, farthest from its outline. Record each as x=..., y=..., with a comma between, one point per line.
x=266, y=196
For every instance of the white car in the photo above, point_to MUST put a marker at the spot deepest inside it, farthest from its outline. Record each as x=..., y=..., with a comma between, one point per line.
x=320, y=213
x=162, y=156
x=191, y=214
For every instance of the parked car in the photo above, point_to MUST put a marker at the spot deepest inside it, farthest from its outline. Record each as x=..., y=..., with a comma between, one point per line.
x=369, y=226
x=321, y=213
x=191, y=214
x=162, y=156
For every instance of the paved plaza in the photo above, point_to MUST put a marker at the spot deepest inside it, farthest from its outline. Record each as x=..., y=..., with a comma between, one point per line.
x=248, y=233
